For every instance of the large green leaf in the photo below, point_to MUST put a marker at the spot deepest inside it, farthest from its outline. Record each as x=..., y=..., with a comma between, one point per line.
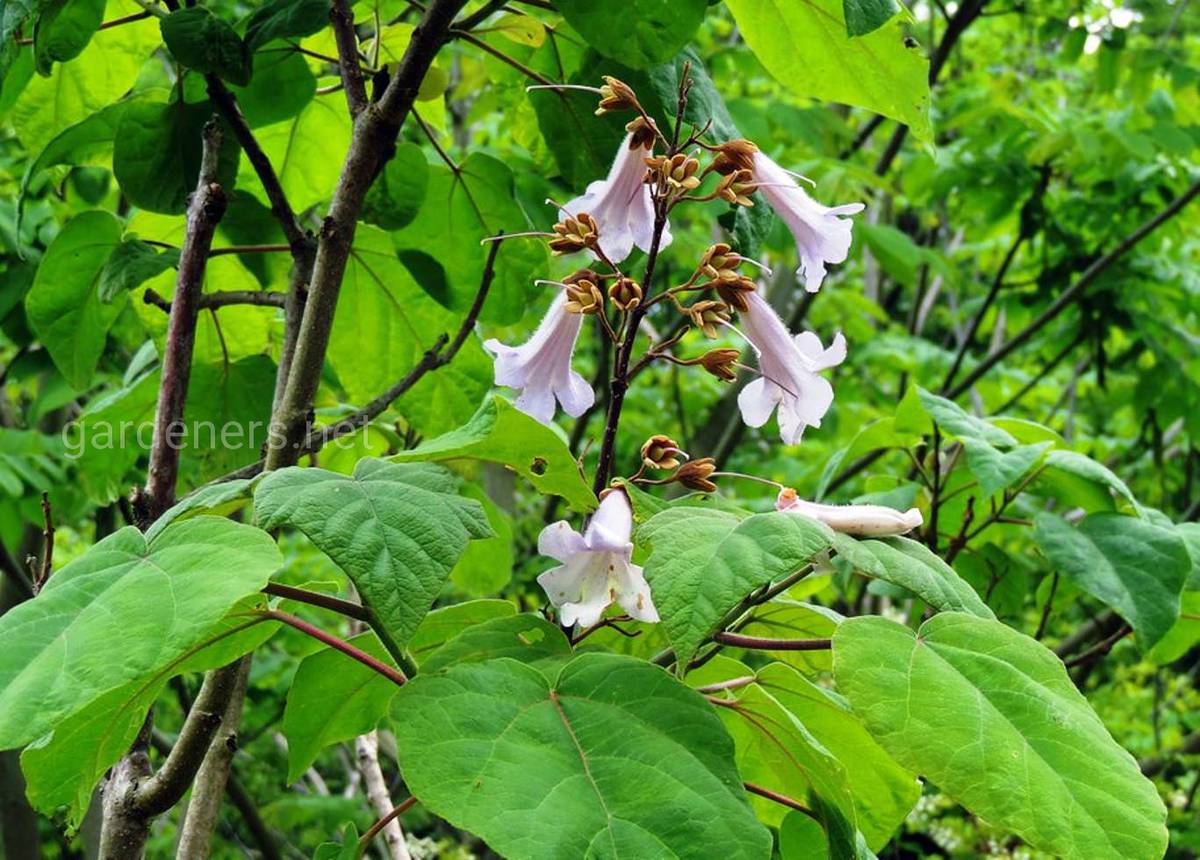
x=957, y=422
x=991, y=717
x=157, y=152
x=285, y=19
x=998, y=470
x=1135, y=565
x=307, y=152
x=281, y=87
x=911, y=565
x=804, y=44
x=63, y=305
x=63, y=30
x=631, y=762
x=703, y=562
x=333, y=699
x=119, y=613
x=397, y=194
x=395, y=529
x=380, y=306
x=459, y=210
x=62, y=768
x=130, y=264
x=866, y=16
x=204, y=43
x=76, y=89
x=527, y=638
x=443, y=624
x=884, y=793
x=645, y=32
x=501, y=433
x=1072, y=464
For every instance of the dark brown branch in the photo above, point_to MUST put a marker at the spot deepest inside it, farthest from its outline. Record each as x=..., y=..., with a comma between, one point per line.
x=47, y=545
x=1076, y=291
x=394, y=675
x=476, y=18
x=503, y=57
x=342, y=19
x=248, y=809
x=204, y=212
x=761, y=643
x=315, y=598
x=261, y=298
x=1101, y=648
x=248, y=249
x=373, y=831
x=375, y=134
x=163, y=790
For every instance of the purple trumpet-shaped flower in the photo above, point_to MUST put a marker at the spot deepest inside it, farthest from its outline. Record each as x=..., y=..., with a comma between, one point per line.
x=541, y=367
x=621, y=204
x=789, y=368
x=596, y=568
x=859, y=520
x=821, y=235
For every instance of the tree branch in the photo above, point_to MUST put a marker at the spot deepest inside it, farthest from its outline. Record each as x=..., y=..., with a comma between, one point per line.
x=261, y=298
x=367, y=748
x=342, y=19
x=204, y=212
x=1074, y=292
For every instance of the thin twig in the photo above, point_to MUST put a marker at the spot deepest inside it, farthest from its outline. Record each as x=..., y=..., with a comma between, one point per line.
x=107, y=25
x=342, y=20
x=762, y=643
x=1101, y=648
x=47, y=545
x=261, y=298
x=383, y=822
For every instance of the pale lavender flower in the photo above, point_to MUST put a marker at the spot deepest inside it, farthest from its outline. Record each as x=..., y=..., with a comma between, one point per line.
x=821, y=235
x=859, y=520
x=621, y=204
x=541, y=367
x=596, y=568
x=789, y=368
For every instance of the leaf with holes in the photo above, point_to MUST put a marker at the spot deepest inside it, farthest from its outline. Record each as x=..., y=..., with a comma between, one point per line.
x=634, y=763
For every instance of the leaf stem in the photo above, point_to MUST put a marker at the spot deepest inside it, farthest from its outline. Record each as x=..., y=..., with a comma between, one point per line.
x=762, y=643
x=395, y=676
x=314, y=598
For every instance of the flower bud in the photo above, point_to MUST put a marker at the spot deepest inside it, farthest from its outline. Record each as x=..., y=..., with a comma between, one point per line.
x=642, y=131
x=626, y=293
x=584, y=297
x=676, y=173
x=733, y=291
x=720, y=363
x=734, y=156
x=696, y=475
x=736, y=187
x=575, y=232
x=616, y=95
x=706, y=315
x=659, y=453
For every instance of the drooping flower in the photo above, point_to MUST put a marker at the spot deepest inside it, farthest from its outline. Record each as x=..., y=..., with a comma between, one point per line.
x=621, y=203
x=789, y=368
x=859, y=520
x=822, y=236
x=541, y=367
x=596, y=568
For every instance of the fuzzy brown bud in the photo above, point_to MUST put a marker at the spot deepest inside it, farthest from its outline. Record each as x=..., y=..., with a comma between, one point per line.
x=734, y=156
x=675, y=173
x=720, y=363
x=575, y=232
x=736, y=188
x=616, y=95
x=626, y=293
x=660, y=452
x=706, y=315
x=642, y=131
x=584, y=297
x=697, y=474
x=717, y=260
x=733, y=291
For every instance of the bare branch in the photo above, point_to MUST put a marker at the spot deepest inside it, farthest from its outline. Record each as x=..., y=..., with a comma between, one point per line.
x=261, y=298
x=367, y=748
x=342, y=19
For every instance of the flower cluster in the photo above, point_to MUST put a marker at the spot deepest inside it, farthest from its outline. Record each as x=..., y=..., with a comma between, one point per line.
x=628, y=209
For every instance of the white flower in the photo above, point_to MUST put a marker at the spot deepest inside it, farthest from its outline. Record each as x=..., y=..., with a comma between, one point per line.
x=596, y=569
x=860, y=520
x=621, y=204
x=789, y=372
x=821, y=236
x=541, y=367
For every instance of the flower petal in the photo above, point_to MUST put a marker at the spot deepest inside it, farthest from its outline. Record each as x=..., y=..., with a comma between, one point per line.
x=633, y=593
x=560, y=542
x=757, y=401
x=820, y=358
x=611, y=526
x=576, y=396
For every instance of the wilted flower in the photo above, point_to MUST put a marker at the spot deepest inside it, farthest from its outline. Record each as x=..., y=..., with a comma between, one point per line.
x=732, y=156
x=626, y=293
x=789, y=372
x=707, y=314
x=821, y=235
x=541, y=368
x=621, y=203
x=596, y=567
x=736, y=187
x=696, y=475
x=860, y=520
x=575, y=232
x=659, y=452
